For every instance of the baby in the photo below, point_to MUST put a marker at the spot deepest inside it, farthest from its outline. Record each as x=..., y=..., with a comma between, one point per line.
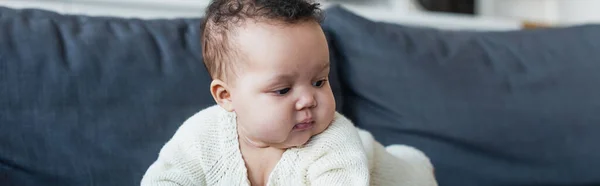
x=275, y=121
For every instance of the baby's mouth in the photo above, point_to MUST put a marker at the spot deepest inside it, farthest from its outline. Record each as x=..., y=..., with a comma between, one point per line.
x=304, y=125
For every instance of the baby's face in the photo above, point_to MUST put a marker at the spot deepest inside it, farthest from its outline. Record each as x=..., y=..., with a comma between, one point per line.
x=281, y=94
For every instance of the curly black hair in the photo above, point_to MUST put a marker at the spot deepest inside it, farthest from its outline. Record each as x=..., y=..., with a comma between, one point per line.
x=222, y=16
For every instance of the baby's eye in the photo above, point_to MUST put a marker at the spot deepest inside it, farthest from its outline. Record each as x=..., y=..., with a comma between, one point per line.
x=282, y=91
x=319, y=83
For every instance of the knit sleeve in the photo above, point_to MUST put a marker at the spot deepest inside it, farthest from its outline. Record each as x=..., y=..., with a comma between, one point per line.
x=342, y=160
x=169, y=169
x=351, y=170
x=181, y=160
x=202, y=152
x=396, y=164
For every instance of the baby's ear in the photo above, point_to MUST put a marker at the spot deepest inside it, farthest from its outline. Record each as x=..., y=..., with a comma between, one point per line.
x=221, y=93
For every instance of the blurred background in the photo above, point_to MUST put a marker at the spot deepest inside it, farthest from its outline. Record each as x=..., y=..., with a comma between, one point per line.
x=86, y=102
x=449, y=13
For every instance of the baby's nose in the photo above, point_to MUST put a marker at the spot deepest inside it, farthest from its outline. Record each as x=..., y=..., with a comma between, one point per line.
x=306, y=101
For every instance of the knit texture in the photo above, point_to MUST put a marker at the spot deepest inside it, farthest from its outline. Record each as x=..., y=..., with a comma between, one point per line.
x=396, y=165
x=205, y=151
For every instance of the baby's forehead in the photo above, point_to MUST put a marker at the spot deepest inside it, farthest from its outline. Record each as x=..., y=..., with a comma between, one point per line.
x=279, y=47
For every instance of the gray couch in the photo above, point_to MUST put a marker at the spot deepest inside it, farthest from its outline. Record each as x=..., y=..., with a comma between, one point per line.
x=91, y=100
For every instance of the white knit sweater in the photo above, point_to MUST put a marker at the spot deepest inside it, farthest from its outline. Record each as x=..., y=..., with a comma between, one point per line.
x=205, y=152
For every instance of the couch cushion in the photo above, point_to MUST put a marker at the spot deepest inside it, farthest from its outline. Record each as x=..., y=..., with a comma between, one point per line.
x=90, y=101
x=489, y=108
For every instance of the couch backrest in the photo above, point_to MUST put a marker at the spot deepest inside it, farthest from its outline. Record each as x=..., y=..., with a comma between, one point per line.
x=488, y=108
x=90, y=100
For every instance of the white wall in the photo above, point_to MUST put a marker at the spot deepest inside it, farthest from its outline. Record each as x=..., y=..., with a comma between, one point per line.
x=579, y=11
x=564, y=12
x=120, y=8
x=172, y=8
x=396, y=11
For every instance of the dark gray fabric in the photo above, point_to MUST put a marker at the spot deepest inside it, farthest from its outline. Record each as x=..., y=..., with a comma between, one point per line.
x=334, y=75
x=90, y=101
x=489, y=108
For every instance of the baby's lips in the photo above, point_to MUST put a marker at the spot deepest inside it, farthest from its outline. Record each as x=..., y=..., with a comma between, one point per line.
x=304, y=125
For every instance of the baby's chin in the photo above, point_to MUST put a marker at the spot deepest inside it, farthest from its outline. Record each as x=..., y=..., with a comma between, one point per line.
x=305, y=139
x=301, y=138
x=298, y=141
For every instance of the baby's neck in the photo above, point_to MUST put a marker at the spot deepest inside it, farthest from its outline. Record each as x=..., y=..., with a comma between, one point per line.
x=251, y=149
x=259, y=160
x=250, y=143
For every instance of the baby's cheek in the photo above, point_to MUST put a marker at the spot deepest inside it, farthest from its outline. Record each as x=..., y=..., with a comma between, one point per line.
x=328, y=105
x=327, y=98
x=330, y=112
x=273, y=130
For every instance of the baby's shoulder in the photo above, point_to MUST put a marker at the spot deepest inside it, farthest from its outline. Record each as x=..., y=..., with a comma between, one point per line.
x=200, y=144
x=205, y=128
x=211, y=114
x=205, y=119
